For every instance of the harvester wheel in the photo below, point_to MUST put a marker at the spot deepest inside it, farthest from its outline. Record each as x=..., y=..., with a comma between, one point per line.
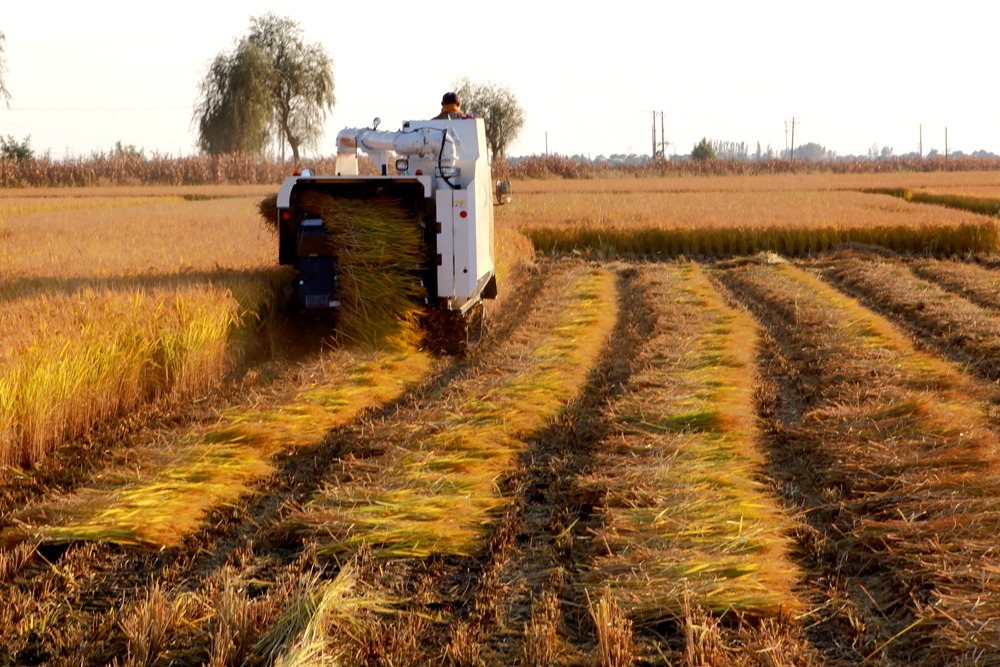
x=449, y=332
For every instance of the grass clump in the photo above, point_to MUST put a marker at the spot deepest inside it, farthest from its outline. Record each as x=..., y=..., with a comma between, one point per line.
x=304, y=634
x=685, y=522
x=435, y=492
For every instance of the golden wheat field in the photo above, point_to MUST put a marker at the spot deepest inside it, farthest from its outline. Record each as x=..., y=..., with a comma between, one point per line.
x=732, y=421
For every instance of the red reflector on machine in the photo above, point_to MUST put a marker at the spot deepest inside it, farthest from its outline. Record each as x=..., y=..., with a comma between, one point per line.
x=463, y=214
x=420, y=172
x=297, y=172
x=286, y=215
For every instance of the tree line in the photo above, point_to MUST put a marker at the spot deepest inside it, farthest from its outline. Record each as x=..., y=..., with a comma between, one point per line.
x=273, y=88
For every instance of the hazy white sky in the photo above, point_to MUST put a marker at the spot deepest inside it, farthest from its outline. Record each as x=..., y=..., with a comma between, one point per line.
x=86, y=74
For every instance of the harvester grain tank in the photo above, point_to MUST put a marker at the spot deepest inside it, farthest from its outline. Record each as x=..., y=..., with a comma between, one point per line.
x=443, y=179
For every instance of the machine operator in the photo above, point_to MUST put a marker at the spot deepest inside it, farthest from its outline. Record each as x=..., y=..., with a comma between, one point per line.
x=450, y=108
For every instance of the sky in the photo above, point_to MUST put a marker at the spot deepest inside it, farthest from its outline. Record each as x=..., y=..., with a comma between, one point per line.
x=84, y=75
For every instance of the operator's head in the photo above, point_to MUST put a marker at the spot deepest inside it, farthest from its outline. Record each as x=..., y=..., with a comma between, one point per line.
x=450, y=98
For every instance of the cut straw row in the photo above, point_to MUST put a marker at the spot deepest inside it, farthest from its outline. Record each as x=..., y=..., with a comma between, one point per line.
x=685, y=522
x=167, y=488
x=976, y=283
x=954, y=324
x=436, y=492
x=897, y=465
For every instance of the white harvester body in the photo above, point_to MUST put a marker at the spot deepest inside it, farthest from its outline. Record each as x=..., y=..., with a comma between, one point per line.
x=446, y=162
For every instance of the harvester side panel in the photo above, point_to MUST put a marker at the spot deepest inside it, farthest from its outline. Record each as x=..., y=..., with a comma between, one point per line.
x=465, y=244
x=445, y=243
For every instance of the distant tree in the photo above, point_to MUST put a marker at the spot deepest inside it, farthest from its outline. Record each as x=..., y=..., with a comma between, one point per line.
x=933, y=153
x=235, y=109
x=129, y=150
x=272, y=81
x=812, y=152
x=731, y=150
x=12, y=149
x=873, y=152
x=886, y=153
x=703, y=150
x=4, y=93
x=301, y=79
x=497, y=106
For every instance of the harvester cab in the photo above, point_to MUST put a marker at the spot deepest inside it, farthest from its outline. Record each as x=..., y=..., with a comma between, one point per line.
x=444, y=183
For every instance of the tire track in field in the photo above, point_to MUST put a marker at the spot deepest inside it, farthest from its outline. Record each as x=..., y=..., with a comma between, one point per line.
x=889, y=455
x=84, y=587
x=447, y=603
x=530, y=600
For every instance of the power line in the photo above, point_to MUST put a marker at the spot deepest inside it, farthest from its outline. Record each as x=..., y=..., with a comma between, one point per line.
x=188, y=108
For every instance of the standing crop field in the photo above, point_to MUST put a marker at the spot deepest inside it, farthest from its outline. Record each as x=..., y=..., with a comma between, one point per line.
x=670, y=448
x=109, y=302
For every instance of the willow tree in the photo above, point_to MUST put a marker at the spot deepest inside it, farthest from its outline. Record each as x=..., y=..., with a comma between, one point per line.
x=234, y=110
x=273, y=84
x=497, y=106
x=301, y=80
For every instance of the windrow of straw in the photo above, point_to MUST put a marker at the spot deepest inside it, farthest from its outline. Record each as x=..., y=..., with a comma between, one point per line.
x=637, y=241
x=978, y=284
x=894, y=460
x=165, y=489
x=434, y=492
x=685, y=522
x=956, y=326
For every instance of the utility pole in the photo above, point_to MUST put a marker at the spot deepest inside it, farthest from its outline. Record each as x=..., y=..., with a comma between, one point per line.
x=663, y=140
x=653, y=154
x=946, y=144
x=791, y=155
x=921, y=141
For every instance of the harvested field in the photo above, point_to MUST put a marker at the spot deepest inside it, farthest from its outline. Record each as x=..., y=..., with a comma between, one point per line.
x=686, y=523
x=958, y=327
x=889, y=453
x=764, y=460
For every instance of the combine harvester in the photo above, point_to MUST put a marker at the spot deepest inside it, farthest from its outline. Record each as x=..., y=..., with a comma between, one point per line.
x=444, y=185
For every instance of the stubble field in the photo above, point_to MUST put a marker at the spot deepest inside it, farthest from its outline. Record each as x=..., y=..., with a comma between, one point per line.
x=715, y=421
